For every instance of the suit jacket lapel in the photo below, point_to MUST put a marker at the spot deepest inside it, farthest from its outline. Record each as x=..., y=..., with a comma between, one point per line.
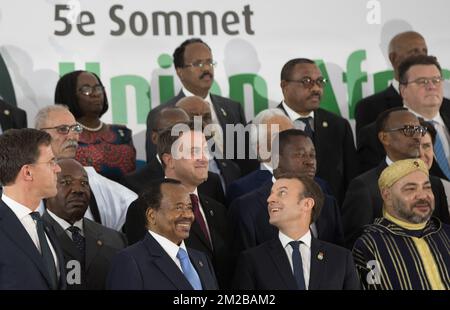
x=220, y=111
x=317, y=269
x=64, y=240
x=14, y=229
x=5, y=120
x=280, y=260
x=199, y=266
x=163, y=261
x=93, y=239
x=209, y=215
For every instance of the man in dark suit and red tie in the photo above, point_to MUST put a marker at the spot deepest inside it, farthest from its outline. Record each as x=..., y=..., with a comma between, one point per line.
x=295, y=260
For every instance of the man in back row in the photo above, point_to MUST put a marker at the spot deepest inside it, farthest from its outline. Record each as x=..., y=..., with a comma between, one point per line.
x=194, y=65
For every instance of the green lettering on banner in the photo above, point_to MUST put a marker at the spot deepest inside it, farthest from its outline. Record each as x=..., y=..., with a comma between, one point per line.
x=328, y=101
x=446, y=74
x=259, y=86
x=67, y=67
x=381, y=80
x=354, y=79
x=215, y=89
x=166, y=82
x=119, y=98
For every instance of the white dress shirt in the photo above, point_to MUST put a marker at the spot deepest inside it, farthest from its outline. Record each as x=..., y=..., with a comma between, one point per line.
x=305, y=252
x=170, y=247
x=23, y=214
x=65, y=225
x=294, y=117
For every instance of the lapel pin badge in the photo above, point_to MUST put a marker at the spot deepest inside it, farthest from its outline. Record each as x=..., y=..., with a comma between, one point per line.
x=223, y=112
x=6, y=112
x=320, y=256
x=200, y=263
x=325, y=124
x=121, y=132
x=99, y=242
x=211, y=212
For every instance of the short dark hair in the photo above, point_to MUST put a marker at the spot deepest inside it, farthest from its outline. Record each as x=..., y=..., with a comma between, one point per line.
x=404, y=67
x=286, y=71
x=66, y=93
x=311, y=190
x=383, y=117
x=19, y=147
x=151, y=197
x=178, y=54
x=166, y=140
x=430, y=128
x=283, y=138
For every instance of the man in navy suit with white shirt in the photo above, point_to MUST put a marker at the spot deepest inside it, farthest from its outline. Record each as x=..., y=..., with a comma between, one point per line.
x=295, y=260
x=162, y=261
x=30, y=257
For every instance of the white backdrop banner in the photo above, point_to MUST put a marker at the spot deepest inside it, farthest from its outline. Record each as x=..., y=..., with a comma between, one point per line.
x=129, y=45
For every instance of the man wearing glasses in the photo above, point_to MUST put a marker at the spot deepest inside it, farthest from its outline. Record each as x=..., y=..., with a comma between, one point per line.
x=399, y=131
x=421, y=87
x=302, y=84
x=109, y=200
x=194, y=65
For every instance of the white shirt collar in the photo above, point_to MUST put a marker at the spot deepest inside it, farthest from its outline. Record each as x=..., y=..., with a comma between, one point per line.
x=294, y=115
x=396, y=85
x=389, y=161
x=168, y=246
x=437, y=118
x=19, y=209
x=306, y=239
x=266, y=166
x=64, y=224
x=188, y=94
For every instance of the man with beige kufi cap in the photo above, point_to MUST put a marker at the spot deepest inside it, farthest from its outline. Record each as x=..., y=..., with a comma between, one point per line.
x=407, y=248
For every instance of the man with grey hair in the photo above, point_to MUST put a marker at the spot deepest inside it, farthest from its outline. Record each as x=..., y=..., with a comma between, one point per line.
x=109, y=199
x=265, y=126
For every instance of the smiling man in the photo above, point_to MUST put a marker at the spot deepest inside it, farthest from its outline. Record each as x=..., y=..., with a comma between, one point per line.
x=161, y=261
x=295, y=259
x=407, y=248
x=88, y=243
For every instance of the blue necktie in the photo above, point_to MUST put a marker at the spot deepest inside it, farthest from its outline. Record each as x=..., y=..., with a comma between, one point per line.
x=46, y=252
x=188, y=269
x=78, y=240
x=440, y=154
x=308, y=129
x=297, y=264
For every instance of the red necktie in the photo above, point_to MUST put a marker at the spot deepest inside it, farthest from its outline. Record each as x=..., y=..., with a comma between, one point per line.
x=199, y=217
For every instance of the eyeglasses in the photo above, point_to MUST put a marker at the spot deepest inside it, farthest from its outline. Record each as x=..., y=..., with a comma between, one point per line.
x=410, y=130
x=64, y=129
x=424, y=82
x=200, y=64
x=308, y=82
x=89, y=90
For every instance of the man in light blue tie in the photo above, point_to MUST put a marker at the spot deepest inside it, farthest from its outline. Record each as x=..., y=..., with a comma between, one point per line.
x=421, y=87
x=161, y=261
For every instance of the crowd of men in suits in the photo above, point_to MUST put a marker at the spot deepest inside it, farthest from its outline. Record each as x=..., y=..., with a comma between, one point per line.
x=284, y=216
